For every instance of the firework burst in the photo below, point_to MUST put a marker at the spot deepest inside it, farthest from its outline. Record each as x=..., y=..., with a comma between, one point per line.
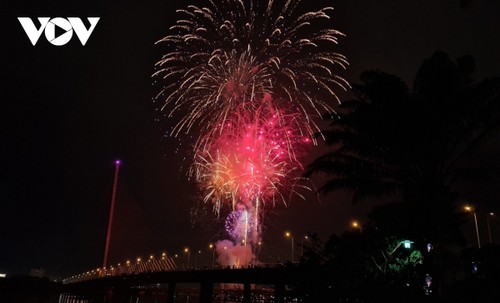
x=251, y=76
x=255, y=159
x=238, y=224
x=237, y=51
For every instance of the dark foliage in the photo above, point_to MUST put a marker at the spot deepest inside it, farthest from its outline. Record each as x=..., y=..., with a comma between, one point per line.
x=408, y=144
x=363, y=266
x=371, y=266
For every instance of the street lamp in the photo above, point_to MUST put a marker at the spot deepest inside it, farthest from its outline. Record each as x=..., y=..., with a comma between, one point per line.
x=468, y=208
x=257, y=250
x=195, y=257
x=488, y=222
x=302, y=245
x=212, y=247
x=289, y=235
x=356, y=225
x=138, y=265
x=406, y=244
x=186, y=250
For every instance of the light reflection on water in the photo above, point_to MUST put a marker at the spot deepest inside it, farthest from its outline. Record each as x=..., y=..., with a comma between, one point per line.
x=181, y=297
x=67, y=298
x=70, y=298
x=190, y=294
x=131, y=299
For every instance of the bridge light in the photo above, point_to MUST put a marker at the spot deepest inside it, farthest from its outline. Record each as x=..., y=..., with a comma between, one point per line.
x=163, y=254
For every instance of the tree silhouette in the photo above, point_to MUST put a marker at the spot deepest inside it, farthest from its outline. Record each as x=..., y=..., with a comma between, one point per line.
x=360, y=266
x=409, y=143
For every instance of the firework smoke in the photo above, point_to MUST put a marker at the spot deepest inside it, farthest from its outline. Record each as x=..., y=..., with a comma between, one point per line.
x=231, y=254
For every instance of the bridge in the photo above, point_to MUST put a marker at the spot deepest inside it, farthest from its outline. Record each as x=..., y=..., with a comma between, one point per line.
x=124, y=280
x=125, y=276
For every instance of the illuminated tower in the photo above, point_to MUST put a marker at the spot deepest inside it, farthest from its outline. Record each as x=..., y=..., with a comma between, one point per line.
x=111, y=211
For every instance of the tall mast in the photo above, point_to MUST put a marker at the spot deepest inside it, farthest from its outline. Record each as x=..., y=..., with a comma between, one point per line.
x=111, y=211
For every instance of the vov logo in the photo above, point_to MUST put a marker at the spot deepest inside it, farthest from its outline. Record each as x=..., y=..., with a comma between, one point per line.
x=67, y=26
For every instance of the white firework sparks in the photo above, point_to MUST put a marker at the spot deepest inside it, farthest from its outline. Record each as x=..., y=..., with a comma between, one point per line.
x=237, y=51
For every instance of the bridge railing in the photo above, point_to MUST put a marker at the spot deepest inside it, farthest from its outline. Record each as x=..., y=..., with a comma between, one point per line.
x=127, y=268
x=151, y=265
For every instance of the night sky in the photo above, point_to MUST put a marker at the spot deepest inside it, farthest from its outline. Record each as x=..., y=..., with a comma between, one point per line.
x=68, y=112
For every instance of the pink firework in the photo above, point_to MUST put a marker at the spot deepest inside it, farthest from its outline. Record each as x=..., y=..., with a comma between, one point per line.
x=255, y=159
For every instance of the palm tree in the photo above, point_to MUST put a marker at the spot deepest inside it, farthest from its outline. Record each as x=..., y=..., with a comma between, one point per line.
x=409, y=143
